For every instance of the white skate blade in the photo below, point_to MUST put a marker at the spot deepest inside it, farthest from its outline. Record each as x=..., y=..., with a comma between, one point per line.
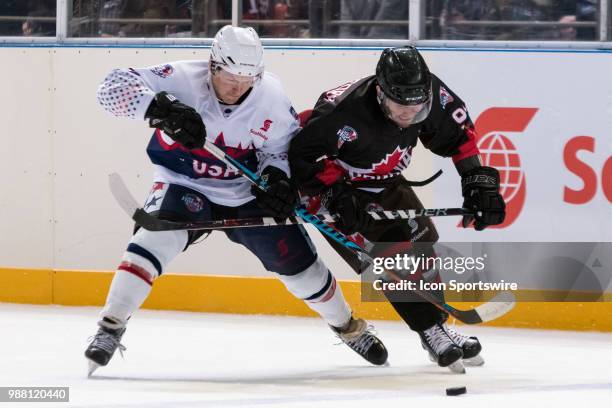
x=91, y=367
x=457, y=367
x=474, y=361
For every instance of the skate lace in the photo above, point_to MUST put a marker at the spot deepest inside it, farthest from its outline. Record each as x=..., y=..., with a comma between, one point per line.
x=438, y=339
x=363, y=343
x=456, y=337
x=107, y=342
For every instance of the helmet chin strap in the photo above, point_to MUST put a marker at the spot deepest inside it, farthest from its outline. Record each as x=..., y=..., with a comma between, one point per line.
x=381, y=97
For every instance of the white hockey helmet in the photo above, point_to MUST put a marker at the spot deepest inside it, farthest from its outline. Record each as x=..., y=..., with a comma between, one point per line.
x=238, y=50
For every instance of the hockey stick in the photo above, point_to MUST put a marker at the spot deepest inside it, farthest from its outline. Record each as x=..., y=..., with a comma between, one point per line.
x=152, y=223
x=131, y=207
x=497, y=307
x=147, y=221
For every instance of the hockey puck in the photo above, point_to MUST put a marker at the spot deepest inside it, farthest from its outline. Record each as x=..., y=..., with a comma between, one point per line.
x=456, y=390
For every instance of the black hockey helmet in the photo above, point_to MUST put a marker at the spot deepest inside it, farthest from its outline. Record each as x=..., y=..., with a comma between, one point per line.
x=403, y=76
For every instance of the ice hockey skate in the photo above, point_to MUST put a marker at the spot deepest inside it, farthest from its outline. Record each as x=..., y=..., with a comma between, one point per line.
x=441, y=348
x=104, y=344
x=470, y=346
x=362, y=340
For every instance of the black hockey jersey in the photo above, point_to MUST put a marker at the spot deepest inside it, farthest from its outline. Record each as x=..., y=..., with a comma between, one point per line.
x=348, y=135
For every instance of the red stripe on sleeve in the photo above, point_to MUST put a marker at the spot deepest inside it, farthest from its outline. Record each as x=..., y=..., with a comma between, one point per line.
x=469, y=148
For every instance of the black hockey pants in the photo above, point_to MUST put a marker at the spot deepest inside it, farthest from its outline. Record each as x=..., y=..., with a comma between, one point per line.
x=417, y=314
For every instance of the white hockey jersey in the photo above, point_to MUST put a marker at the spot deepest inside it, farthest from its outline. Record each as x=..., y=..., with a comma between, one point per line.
x=256, y=133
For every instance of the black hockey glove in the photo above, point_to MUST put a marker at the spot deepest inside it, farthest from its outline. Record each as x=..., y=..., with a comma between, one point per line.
x=281, y=196
x=480, y=187
x=341, y=200
x=179, y=121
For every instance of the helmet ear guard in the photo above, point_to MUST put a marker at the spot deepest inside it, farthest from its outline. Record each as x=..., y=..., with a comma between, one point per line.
x=237, y=50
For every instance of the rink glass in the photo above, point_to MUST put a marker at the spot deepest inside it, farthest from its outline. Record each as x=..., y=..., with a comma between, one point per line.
x=568, y=21
x=27, y=18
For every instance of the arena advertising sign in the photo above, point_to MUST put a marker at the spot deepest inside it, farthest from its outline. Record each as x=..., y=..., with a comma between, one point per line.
x=553, y=152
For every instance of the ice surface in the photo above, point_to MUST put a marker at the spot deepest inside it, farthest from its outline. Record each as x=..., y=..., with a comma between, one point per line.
x=189, y=360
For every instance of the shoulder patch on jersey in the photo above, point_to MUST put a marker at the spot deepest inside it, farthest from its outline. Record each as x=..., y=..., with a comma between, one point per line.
x=346, y=134
x=445, y=97
x=163, y=71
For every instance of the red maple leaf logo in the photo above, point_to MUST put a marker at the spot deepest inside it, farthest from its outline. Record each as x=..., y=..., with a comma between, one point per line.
x=391, y=160
x=235, y=152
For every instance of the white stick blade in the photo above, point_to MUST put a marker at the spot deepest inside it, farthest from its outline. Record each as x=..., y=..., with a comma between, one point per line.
x=501, y=304
x=121, y=193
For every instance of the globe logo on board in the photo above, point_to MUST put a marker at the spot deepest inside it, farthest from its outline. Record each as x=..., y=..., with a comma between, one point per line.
x=497, y=150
